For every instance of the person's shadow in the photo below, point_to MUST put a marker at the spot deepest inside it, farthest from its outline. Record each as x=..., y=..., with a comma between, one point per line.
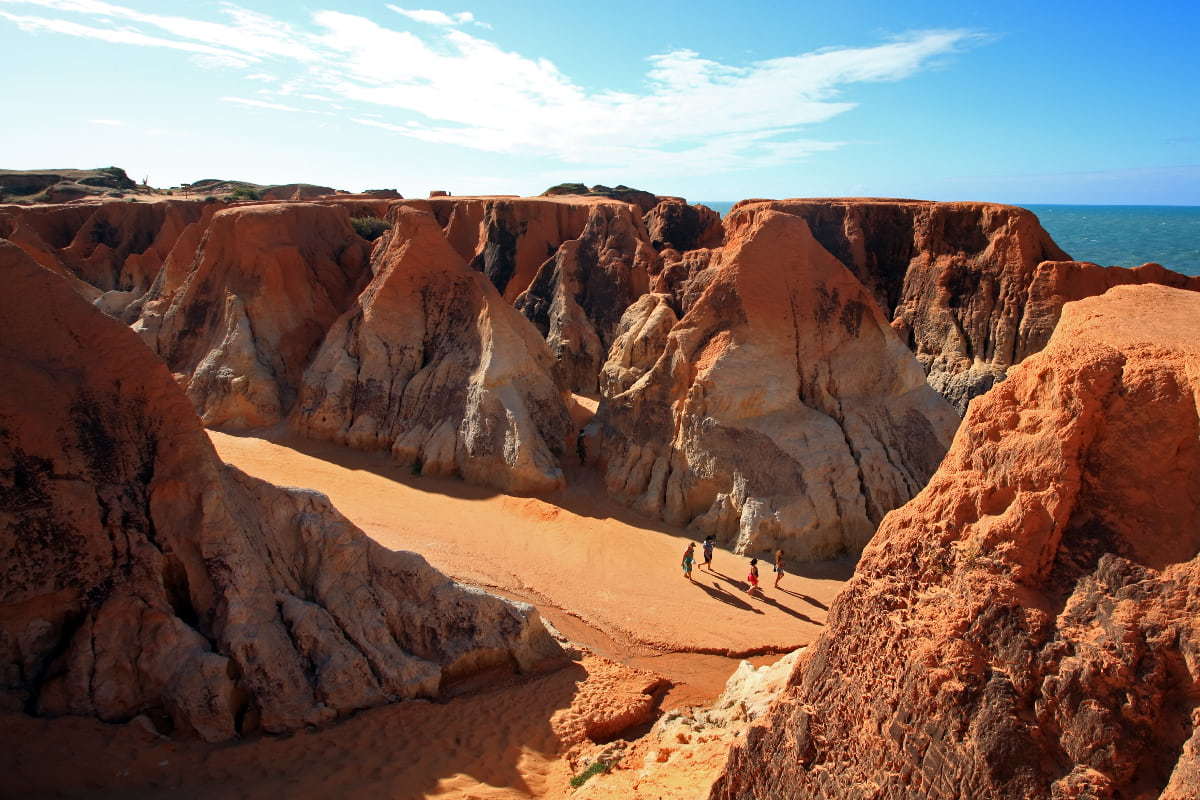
x=790, y=612
x=743, y=586
x=716, y=592
x=806, y=598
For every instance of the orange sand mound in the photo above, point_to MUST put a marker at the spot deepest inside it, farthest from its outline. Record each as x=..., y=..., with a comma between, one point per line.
x=575, y=551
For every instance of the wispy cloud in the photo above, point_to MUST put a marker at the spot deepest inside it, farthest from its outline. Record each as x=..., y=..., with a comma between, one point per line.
x=430, y=17
x=112, y=123
x=442, y=84
x=247, y=101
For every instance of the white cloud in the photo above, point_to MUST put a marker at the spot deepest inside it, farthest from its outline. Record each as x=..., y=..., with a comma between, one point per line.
x=114, y=123
x=247, y=101
x=430, y=17
x=447, y=86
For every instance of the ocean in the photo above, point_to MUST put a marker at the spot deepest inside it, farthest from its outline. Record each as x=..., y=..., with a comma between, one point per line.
x=1124, y=236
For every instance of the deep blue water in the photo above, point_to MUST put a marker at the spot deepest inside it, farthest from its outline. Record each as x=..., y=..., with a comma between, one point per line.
x=1124, y=236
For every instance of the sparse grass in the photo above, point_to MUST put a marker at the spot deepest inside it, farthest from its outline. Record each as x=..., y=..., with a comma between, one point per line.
x=595, y=768
x=370, y=228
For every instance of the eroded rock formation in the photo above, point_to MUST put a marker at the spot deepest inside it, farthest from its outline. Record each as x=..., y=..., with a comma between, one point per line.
x=141, y=576
x=431, y=364
x=578, y=296
x=265, y=284
x=782, y=411
x=673, y=224
x=1027, y=626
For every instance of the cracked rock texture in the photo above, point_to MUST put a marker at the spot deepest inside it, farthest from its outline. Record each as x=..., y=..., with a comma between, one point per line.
x=810, y=459
x=431, y=363
x=578, y=296
x=1026, y=627
x=143, y=577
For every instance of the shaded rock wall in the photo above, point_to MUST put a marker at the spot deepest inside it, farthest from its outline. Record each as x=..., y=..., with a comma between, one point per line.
x=1026, y=627
x=141, y=576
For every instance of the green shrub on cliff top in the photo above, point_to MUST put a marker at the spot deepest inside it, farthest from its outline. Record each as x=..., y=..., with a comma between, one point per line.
x=370, y=228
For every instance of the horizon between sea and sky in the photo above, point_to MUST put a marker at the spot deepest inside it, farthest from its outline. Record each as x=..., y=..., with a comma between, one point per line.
x=1027, y=103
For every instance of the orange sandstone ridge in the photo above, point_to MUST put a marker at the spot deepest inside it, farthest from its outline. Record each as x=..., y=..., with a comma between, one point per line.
x=1026, y=627
x=242, y=299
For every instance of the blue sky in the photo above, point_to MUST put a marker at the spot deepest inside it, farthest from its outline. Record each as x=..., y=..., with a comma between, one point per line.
x=1016, y=102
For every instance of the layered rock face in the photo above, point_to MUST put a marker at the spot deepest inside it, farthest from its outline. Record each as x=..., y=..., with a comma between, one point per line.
x=578, y=296
x=781, y=411
x=144, y=577
x=1026, y=627
x=431, y=364
x=265, y=284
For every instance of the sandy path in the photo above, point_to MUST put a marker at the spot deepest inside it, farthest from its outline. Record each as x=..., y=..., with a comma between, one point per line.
x=574, y=553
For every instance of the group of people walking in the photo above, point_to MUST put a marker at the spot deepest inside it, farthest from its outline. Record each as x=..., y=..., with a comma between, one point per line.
x=710, y=542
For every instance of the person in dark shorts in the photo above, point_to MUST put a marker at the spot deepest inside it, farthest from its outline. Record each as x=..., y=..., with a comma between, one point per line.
x=779, y=573
x=709, y=543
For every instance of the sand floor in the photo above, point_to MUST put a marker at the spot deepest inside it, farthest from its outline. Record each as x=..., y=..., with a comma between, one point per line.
x=574, y=553
x=603, y=576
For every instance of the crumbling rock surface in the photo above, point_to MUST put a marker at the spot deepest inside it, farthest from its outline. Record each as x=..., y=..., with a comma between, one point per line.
x=782, y=411
x=673, y=224
x=431, y=364
x=144, y=577
x=578, y=296
x=253, y=304
x=1026, y=627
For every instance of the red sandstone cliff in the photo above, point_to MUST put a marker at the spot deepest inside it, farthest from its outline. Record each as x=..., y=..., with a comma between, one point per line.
x=779, y=410
x=1026, y=627
x=144, y=577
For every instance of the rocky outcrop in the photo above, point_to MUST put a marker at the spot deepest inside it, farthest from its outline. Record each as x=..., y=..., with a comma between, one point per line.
x=507, y=239
x=265, y=284
x=578, y=296
x=673, y=224
x=844, y=430
x=431, y=364
x=143, y=577
x=1026, y=627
